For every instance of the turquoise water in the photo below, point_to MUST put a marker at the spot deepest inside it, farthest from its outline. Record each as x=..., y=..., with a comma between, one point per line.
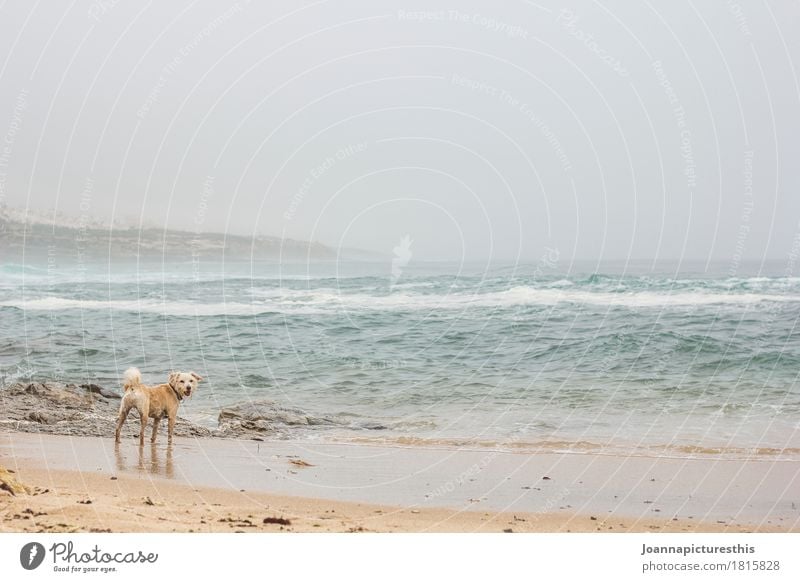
x=511, y=356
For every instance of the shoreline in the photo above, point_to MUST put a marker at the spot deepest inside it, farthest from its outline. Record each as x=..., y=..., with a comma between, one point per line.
x=71, y=409
x=202, y=484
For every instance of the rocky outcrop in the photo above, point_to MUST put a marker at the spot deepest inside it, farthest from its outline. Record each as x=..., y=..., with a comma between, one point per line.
x=268, y=418
x=71, y=409
x=91, y=410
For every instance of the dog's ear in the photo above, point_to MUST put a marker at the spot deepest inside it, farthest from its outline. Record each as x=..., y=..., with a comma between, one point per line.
x=196, y=376
x=173, y=377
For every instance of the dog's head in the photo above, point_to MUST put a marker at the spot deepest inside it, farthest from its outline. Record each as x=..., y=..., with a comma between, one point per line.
x=184, y=382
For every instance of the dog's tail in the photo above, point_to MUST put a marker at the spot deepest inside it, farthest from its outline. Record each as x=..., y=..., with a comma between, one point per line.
x=133, y=377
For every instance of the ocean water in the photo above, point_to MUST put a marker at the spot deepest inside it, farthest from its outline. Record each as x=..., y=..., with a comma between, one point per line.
x=684, y=361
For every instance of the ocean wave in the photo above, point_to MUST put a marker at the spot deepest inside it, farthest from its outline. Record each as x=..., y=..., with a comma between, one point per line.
x=562, y=283
x=580, y=446
x=19, y=269
x=377, y=287
x=158, y=274
x=176, y=308
x=329, y=300
x=528, y=295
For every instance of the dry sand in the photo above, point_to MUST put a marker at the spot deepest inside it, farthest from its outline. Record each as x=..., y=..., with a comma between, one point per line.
x=200, y=485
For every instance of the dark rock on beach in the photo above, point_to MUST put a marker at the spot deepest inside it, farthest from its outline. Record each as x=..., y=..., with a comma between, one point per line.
x=70, y=409
x=91, y=410
x=94, y=388
x=260, y=417
x=40, y=417
x=266, y=417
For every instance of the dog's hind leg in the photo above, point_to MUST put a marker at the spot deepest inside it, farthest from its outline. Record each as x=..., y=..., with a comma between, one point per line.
x=144, y=413
x=124, y=409
x=156, y=420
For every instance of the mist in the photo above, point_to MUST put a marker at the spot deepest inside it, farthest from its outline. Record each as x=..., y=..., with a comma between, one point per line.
x=471, y=131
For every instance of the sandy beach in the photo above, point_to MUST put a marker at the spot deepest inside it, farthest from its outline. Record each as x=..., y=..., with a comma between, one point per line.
x=83, y=484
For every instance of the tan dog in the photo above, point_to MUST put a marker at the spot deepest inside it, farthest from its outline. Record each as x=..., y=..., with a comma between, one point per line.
x=155, y=401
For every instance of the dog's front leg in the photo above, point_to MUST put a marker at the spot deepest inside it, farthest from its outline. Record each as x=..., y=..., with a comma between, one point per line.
x=156, y=420
x=171, y=427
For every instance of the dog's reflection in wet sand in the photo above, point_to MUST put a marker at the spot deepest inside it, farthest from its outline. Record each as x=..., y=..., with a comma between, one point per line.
x=153, y=460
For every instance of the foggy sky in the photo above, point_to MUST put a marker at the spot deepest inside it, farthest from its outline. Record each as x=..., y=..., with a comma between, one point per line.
x=605, y=130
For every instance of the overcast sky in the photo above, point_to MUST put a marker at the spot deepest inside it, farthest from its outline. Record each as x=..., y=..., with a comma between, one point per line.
x=606, y=130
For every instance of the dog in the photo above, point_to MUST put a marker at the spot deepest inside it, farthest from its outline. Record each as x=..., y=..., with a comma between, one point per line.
x=155, y=401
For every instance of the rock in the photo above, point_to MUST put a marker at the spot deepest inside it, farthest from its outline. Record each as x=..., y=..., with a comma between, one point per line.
x=262, y=425
x=270, y=412
x=265, y=416
x=292, y=418
x=277, y=521
x=91, y=410
x=8, y=482
x=34, y=388
x=95, y=389
x=373, y=426
x=40, y=417
x=70, y=409
x=300, y=463
x=258, y=425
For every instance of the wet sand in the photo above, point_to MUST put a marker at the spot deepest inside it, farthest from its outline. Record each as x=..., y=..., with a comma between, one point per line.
x=88, y=483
